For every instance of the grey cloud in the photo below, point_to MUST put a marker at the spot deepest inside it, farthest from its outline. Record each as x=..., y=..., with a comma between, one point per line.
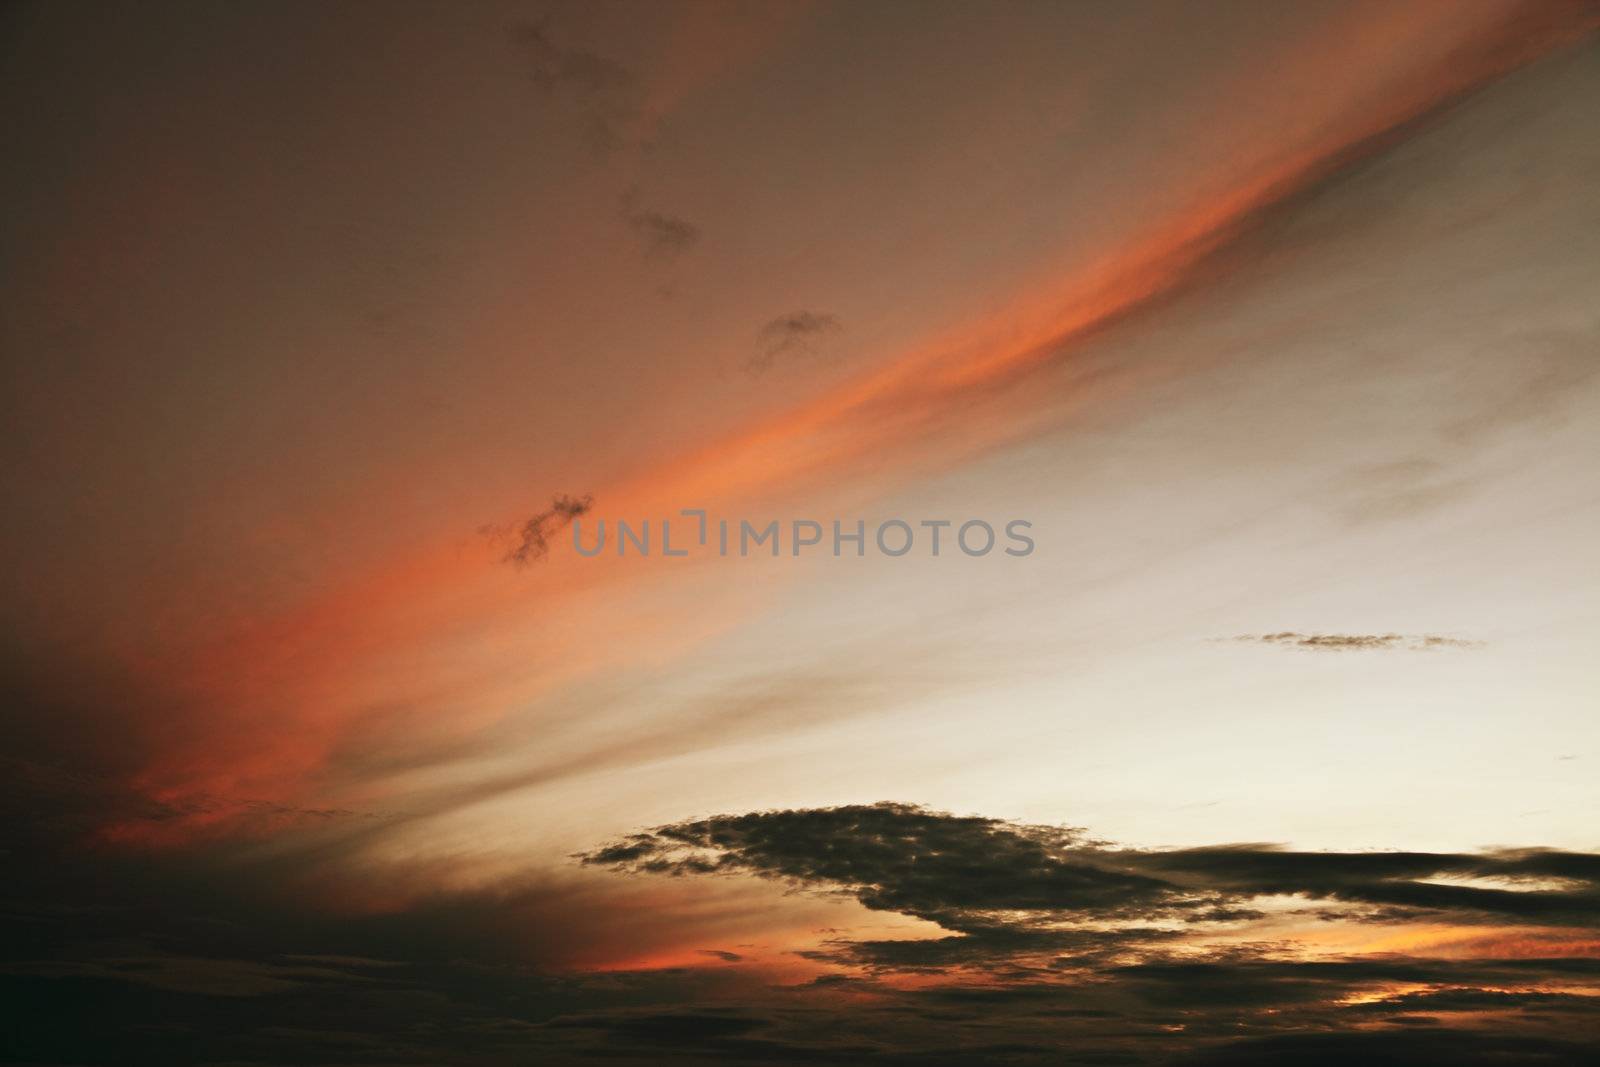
x=995, y=946
x=1058, y=953
x=531, y=541
x=1349, y=642
x=664, y=236
x=899, y=857
x=1014, y=892
x=797, y=333
x=1463, y=1048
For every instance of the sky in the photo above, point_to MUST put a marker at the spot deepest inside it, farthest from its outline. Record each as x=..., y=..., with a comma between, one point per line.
x=343, y=726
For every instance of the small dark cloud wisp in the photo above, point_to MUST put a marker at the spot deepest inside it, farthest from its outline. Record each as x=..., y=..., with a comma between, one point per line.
x=1358, y=642
x=797, y=333
x=664, y=236
x=530, y=542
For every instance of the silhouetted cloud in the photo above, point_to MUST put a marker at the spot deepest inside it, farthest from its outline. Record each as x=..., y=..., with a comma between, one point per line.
x=797, y=333
x=721, y=954
x=1081, y=951
x=1061, y=948
x=1011, y=890
x=531, y=541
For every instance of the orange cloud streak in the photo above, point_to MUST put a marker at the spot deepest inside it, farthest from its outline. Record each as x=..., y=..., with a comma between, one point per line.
x=265, y=705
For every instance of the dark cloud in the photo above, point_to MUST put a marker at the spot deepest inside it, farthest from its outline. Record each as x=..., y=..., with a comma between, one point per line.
x=530, y=542
x=663, y=236
x=1265, y=981
x=797, y=333
x=1055, y=932
x=1083, y=952
x=1008, y=888
x=1056, y=947
x=1443, y=1001
x=1348, y=642
x=953, y=870
x=1462, y=1048
x=721, y=954
x=993, y=947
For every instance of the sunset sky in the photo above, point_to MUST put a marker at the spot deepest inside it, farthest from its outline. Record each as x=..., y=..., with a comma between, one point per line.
x=329, y=324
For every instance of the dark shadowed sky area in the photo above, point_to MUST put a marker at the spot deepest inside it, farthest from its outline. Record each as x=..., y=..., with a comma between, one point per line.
x=335, y=331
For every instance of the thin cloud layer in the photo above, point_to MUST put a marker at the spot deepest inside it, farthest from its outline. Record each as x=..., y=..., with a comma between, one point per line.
x=1357, y=642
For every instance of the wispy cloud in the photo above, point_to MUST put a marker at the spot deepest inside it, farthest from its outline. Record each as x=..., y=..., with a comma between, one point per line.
x=797, y=333
x=721, y=954
x=530, y=542
x=663, y=236
x=1357, y=642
